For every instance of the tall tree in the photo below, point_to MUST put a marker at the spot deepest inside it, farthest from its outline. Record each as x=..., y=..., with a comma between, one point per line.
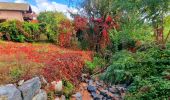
x=154, y=11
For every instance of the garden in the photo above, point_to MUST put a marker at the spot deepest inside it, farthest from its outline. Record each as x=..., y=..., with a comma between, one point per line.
x=114, y=49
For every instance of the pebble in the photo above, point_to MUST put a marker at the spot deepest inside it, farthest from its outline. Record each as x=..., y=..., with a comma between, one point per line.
x=113, y=90
x=78, y=96
x=91, y=82
x=91, y=88
x=101, y=91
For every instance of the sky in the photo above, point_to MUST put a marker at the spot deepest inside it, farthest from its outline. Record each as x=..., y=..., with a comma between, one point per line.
x=49, y=5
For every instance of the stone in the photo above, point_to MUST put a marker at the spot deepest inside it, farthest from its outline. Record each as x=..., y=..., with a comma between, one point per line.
x=121, y=89
x=113, y=90
x=78, y=96
x=104, y=92
x=101, y=83
x=90, y=82
x=91, y=88
x=57, y=98
x=43, y=80
x=58, y=85
x=110, y=94
x=20, y=82
x=10, y=92
x=30, y=88
x=83, y=77
x=95, y=96
x=100, y=96
x=116, y=97
x=63, y=97
x=42, y=95
x=105, y=98
x=97, y=83
x=86, y=80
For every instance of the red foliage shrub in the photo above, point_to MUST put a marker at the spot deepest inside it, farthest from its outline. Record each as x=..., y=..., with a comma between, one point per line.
x=99, y=38
x=58, y=63
x=80, y=23
x=65, y=33
x=102, y=25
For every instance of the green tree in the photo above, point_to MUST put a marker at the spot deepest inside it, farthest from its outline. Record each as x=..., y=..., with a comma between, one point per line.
x=154, y=11
x=50, y=21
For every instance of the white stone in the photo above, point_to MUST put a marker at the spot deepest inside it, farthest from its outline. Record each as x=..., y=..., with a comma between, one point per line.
x=20, y=82
x=58, y=85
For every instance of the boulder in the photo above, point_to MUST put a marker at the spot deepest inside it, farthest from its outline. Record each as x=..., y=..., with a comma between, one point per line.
x=30, y=88
x=42, y=95
x=10, y=92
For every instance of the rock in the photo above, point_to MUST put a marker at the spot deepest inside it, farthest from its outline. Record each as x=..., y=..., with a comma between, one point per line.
x=110, y=95
x=113, y=90
x=105, y=98
x=63, y=97
x=58, y=85
x=121, y=89
x=91, y=88
x=10, y=92
x=100, y=96
x=30, y=88
x=95, y=96
x=57, y=98
x=90, y=82
x=104, y=92
x=116, y=97
x=20, y=82
x=83, y=77
x=98, y=83
x=42, y=95
x=101, y=83
x=86, y=80
x=78, y=96
x=43, y=80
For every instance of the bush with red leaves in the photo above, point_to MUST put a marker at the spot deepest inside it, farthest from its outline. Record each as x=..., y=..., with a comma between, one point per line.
x=59, y=63
x=80, y=23
x=65, y=33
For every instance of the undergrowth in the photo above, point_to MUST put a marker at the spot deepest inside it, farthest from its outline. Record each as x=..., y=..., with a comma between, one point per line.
x=146, y=73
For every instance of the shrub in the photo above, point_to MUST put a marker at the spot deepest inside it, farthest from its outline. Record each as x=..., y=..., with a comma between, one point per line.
x=32, y=29
x=50, y=22
x=68, y=88
x=97, y=62
x=15, y=73
x=145, y=72
x=19, y=31
x=116, y=73
x=65, y=33
x=149, y=89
